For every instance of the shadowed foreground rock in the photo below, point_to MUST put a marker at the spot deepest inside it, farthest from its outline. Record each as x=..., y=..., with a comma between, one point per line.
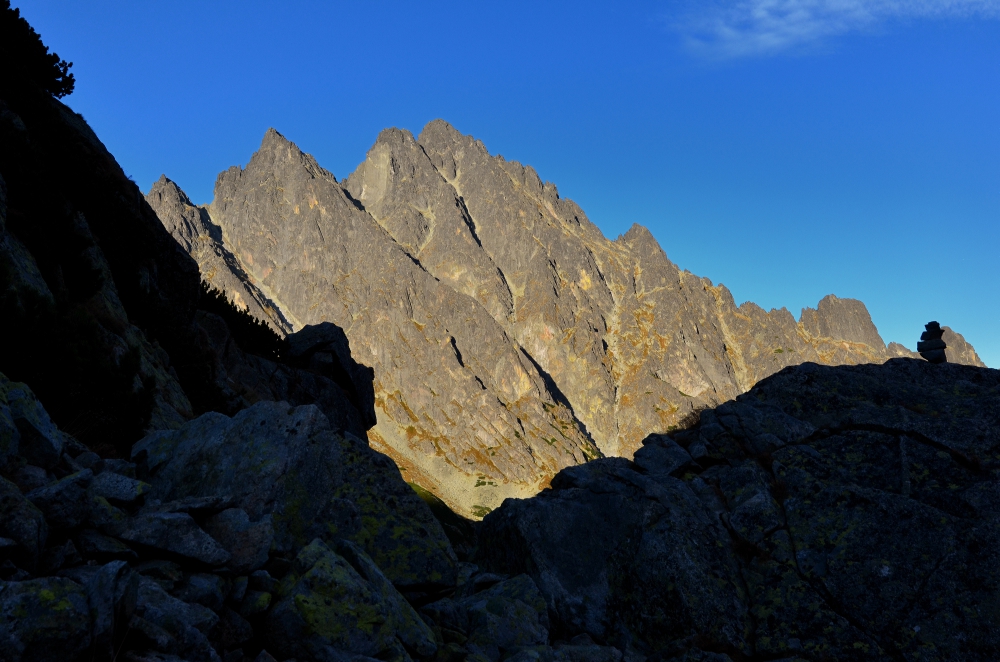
x=831, y=513
x=848, y=513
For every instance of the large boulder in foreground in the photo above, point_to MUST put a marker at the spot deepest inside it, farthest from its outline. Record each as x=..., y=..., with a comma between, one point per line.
x=334, y=605
x=848, y=513
x=43, y=620
x=287, y=463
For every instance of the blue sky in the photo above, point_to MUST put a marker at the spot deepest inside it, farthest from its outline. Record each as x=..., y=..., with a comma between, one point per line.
x=786, y=148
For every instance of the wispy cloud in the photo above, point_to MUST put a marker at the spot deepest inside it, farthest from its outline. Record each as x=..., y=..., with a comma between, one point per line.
x=762, y=27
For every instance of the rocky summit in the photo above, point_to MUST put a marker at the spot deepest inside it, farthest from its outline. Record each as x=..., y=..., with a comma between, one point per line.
x=509, y=338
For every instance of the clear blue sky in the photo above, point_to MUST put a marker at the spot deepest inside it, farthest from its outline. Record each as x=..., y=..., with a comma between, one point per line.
x=787, y=148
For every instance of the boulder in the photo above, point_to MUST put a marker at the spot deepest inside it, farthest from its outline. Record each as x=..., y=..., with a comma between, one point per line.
x=176, y=534
x=30, y=477
x=165, y=573
x=327, y=609
x=64, y=502
x=197, y=507
x=288, y=463
x=582, y=653
x=186, y=626
x=247, y=542
x=104, y=517
x=22, y=522
x=41, y=442
x=44, y=620
x=112, y=593
x=202, y=588
x=607, y=542
x=10, y=437
x=99, y=547
x=56, y=557
x=116, y=466
x=509, y=615
x=410, y=628
x=254, y=603
x=118, y=489
x=233, y=630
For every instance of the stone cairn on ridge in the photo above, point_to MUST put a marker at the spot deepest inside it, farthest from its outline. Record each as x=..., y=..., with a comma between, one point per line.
x=931, y=347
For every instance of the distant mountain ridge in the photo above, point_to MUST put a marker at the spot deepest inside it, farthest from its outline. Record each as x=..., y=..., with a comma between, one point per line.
x=509, y=338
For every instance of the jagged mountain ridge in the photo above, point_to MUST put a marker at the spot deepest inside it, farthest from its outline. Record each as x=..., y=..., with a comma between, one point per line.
x=508, y=336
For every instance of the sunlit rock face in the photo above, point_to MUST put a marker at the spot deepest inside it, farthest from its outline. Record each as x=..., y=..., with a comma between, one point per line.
x=508, y=336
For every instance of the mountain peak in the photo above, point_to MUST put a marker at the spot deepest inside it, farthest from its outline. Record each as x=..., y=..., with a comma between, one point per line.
x=847, y=319
x=272, y=137
x=509, y=338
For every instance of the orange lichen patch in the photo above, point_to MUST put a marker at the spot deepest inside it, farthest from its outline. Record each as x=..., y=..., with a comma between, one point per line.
x=667, y=416
x=483, y=463
x=385, y=400
x=419, y=438
x=546, y=482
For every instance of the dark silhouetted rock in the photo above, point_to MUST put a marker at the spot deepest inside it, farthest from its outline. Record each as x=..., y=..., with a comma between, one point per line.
x=113, y=594
x=186, y=626
x=44, y=620
x=29, y=478
x=57, y=557
x=245, y=379
x=316, y=617
x=115, y=466
x=64, y=502
x=22, y=522
x=118, y=489
x=174, y=533
x=106, y=518
x=510, y=614
x=248, y=543
x=285, y=462
x=10, y=437
x=41, y=442
x=94, y=545
x=931, y=347
x=847, y=512
x=202, y=588
x=194, y=506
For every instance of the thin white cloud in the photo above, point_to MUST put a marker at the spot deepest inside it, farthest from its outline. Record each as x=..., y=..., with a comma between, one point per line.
x=762, y=27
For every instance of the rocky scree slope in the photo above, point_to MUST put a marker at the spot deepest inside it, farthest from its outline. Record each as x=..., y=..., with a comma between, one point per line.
x=508, y=337
x=228, y=535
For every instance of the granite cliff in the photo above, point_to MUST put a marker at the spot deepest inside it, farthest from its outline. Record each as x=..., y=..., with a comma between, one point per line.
x=509, y=338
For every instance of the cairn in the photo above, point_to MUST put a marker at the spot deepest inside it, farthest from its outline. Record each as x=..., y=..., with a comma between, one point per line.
x=931, y=347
